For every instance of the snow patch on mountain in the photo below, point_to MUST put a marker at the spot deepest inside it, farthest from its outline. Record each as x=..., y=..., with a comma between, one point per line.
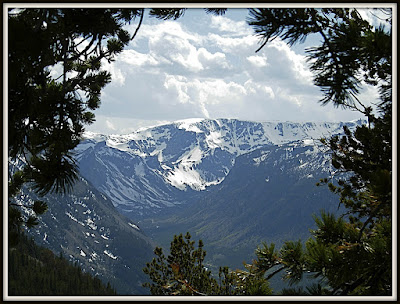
x=184, y=175
x=134, y=226
x=109, y=254
x=190, y=124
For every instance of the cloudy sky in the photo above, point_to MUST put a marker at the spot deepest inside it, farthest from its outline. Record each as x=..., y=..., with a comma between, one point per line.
x=205, y=66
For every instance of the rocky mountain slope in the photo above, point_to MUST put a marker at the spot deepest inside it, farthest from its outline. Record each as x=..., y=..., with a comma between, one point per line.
x=86, y=228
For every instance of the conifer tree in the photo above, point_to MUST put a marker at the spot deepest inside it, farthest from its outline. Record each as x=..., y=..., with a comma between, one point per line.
x=183, y=272
x=350, y=254
x=55, y=77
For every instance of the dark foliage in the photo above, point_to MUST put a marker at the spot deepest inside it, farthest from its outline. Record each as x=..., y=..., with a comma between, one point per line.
x=175, y=13
x=183, y=272
x=352, y=254
x=36, y=271
x=47, y=113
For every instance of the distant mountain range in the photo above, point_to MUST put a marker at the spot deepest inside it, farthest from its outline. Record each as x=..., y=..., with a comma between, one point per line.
x=149, y=170
x=231, y=183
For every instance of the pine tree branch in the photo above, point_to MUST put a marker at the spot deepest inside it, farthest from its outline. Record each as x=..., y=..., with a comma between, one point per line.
x=264, y=43
x=348, y=287
x=84, y=51
x=140, y=23
x=184, y=282
x=275, y=272
x=369, y=220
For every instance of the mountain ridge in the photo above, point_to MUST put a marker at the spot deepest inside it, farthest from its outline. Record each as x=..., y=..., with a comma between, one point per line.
x=153, y=169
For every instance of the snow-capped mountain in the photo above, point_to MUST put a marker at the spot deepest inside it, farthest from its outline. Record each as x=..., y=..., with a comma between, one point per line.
x=164, y=166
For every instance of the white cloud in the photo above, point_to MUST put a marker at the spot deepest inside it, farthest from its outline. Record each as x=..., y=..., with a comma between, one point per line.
x=56, y=70
x=178, y=85
x=135, y=58
x=258, y=88
x=172, y=71
x=237, y=45
x=294, y=62
x=169, y=43
x=187, y=56
x=202, y=93
x=169, y=28
x=225, y=24
x=110, y=125
x=117, y=75
x=210, y=60
x=258, y=61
